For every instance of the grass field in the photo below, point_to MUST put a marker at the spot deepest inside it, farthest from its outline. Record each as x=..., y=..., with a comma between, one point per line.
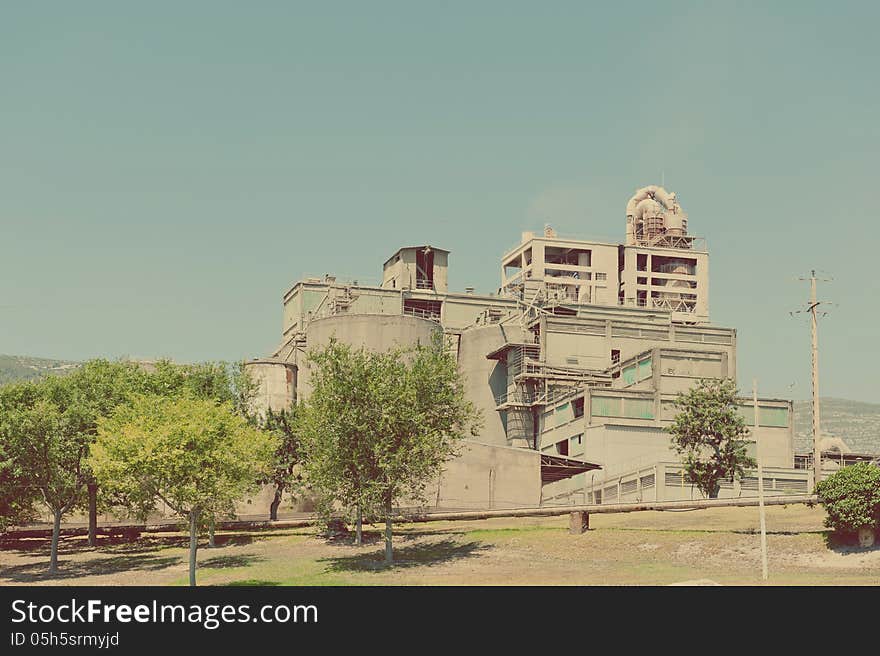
x=647, y=548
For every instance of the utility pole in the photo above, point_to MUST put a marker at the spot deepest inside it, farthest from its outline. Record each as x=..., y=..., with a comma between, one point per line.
x=760, y=486
x=814, y=333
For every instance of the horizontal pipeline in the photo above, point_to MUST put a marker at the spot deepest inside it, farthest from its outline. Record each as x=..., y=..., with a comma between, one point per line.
x=546, y=511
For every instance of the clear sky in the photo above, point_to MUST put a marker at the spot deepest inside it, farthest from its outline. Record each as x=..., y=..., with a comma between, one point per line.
x=168, y=169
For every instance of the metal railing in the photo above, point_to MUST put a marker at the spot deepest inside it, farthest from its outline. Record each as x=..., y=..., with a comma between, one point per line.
x=669, y=305
x=424, y=314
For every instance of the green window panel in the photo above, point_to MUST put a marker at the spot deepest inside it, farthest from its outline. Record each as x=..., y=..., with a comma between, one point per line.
x=768, y=416
x=563, y=413
x=605, y=406
x=638, y=408
x=644, y=370
x=629, y=374
x=747, y=412
x=773, y=416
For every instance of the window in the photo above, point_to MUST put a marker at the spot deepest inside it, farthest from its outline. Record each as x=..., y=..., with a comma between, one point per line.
x=562, y=448
x=562, y=415
x=578, y=405
x=601, y=277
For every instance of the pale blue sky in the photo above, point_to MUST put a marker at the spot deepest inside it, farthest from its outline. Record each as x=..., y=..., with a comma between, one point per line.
x=169, y=168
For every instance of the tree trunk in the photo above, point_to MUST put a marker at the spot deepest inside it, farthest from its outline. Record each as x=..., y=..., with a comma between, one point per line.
x=273, y=509
x=713, y=493
x=358, y=528
x=389, y=553
x=56, y=532
x=211, y=544
x=193, y=545
x=93, y=514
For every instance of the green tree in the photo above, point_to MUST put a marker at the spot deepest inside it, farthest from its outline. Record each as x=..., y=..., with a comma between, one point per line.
x=851, y=498
x=195, y=455
x=378, y=427
x=42, y=430
x=72, y=406
x=46, y=427
x=19, y=497
x=285, y=474
x=709, y=435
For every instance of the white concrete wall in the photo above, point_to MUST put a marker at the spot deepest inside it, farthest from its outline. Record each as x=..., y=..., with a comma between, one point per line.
x=486, y=379
x=491, y=476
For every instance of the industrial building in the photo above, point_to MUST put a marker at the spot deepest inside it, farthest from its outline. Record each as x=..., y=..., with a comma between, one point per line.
x=575, y=362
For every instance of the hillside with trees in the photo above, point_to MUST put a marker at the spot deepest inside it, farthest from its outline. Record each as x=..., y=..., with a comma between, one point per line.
x=18, y=368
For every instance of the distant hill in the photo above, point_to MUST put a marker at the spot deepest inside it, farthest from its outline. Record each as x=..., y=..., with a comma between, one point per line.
x=855, y=422
x=14, y=368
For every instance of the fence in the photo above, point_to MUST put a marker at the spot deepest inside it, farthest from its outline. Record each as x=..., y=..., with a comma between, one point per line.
x=667, y=481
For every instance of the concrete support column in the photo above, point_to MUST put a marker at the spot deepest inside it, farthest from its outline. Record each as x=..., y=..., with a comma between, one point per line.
x=659, y=481
x=578, y=522
x=609, y=344
x=588, y=412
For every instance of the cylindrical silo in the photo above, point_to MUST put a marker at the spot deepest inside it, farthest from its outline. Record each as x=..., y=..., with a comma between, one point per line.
x=276, y=384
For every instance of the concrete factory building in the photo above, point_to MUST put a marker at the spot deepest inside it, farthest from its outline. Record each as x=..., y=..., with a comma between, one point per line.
x=575, y=362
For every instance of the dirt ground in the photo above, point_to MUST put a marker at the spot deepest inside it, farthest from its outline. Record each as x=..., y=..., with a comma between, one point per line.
x=712, y=546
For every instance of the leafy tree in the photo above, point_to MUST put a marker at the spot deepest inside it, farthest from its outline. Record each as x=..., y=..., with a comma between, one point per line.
x=851, y=497
x=709, y=435
x=46, y=428
x=378, y=427
x=18, y=496
x=42, y=431
x=57, y=444
x=195, y=455
x=286, y=467
x=99, y=386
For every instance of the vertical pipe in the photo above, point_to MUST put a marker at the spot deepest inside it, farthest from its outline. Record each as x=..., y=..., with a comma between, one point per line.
x=760, y=487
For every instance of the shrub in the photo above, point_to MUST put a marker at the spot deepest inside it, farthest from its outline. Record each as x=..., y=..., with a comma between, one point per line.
x=851, y=498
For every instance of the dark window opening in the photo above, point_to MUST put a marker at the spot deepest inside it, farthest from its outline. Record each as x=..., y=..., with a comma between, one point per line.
x=615, y=356
x=578, y=407
x=425, y=269
x=662, y=264
x=562, y=448
x=573, y=256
